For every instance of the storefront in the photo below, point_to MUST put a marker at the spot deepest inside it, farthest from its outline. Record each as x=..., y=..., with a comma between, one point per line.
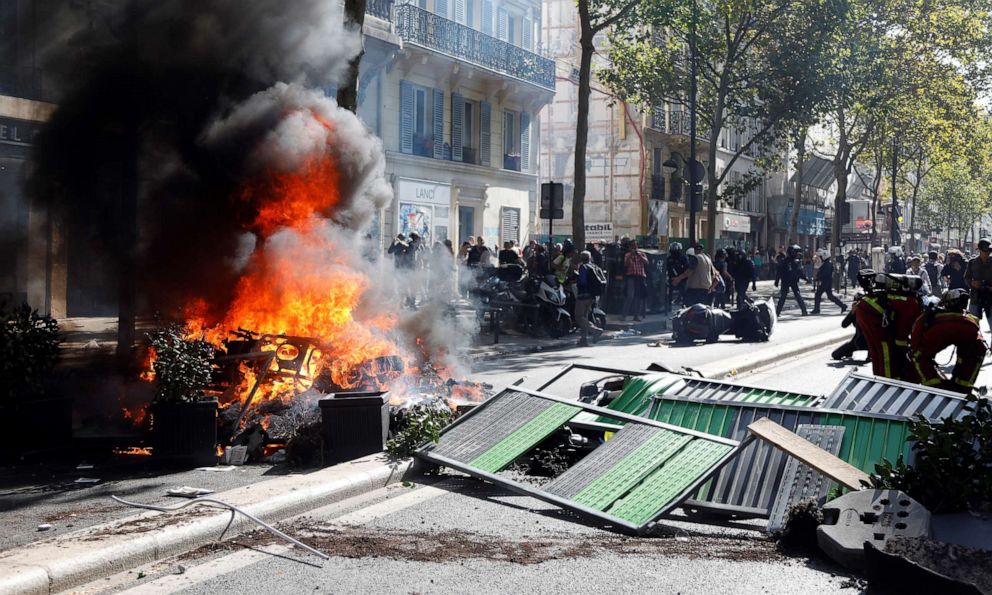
x=423, y=207
x=733, y=227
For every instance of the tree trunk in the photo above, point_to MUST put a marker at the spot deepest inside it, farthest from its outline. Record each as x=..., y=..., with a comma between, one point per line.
x=840, y=174
x=582, y=129
x=713, y=192
x=797, y=201
x=347, y=98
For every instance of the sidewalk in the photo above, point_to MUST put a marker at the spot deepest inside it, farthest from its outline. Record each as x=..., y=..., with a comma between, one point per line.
x=64, y=561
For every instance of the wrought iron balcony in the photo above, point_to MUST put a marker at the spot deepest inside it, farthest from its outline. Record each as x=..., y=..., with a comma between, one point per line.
x=379, y=8
x=424, y=28
x=677, y=123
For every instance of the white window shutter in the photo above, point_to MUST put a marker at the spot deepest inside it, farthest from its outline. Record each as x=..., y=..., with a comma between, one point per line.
x=524, y=142
x=487, y=17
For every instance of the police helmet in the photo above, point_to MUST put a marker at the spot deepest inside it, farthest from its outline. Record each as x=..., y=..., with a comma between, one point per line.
x=932, y=255
x=985, y=244
x=954, y=299
x=721, y=253
x=895, y=250
x=794, y=250
x=675, y=247
x=690, y=252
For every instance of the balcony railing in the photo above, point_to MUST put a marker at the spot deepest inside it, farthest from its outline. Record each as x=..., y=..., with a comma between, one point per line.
x=677, y=123
x=424, y=28
x=379, y=8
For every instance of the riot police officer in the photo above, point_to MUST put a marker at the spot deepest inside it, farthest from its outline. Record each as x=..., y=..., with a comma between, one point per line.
x=825, y=280
x=790, y=271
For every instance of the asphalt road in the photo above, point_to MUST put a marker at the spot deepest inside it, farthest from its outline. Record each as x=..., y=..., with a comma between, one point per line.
x=634, y=352
x=461, y=535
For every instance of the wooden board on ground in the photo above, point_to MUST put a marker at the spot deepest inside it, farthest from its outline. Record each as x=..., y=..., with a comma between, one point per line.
x=793, y=445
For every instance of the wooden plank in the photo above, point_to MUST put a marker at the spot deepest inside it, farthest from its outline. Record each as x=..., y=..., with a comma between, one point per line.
x=793, y=445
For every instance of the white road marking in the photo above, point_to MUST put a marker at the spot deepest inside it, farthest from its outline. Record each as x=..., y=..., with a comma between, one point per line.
x=387, y=507
x=172, y=583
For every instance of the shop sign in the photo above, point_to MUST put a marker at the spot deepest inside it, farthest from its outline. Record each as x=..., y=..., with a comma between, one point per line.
x=734, y=222
x=18, y=132
x=424, y=208
x=424, y=192
x=599, y=231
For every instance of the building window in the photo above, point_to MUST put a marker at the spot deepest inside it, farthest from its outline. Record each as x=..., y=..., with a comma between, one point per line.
x=469, y=128
x=423, y=117
x=511, y=141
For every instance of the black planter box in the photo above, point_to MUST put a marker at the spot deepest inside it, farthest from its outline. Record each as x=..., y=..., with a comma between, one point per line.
x=353, y=425
x=185, y=433
x=35, y=426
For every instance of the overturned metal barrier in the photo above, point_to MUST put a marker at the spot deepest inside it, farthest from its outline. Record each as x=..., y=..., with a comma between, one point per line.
x=642, y=472
x=874, y=394
x=749, y=484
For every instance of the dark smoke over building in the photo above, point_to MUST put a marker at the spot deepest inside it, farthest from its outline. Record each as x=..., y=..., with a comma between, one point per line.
x=161, y=109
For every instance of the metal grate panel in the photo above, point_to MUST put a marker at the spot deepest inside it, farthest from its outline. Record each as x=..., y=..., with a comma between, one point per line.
x=674, y=476
x=643, y=472
x=622, y=477
x=800, y=482
x=871, y=394
x=494, y=422
x=525, y=438
x=623, y=443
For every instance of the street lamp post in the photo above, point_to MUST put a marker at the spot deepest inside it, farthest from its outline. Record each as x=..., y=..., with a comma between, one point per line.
x=694, y=183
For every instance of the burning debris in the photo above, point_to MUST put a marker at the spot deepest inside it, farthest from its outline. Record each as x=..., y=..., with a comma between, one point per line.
x=252, y=194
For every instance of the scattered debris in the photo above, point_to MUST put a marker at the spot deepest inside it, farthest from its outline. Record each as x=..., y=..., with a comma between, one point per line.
x=234, y=509
x=188, y=492
x=872, y=516
x=801, y=522
x=235, y=455
x=83, y=466
x=85, y=480
x=922, y=565
x=627, y=332
x=45, y=526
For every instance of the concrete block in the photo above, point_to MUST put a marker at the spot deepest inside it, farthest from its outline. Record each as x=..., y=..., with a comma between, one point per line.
x=873, y=516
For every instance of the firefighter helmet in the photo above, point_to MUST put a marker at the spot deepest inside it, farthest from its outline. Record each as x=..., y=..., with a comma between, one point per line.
x=954, y=299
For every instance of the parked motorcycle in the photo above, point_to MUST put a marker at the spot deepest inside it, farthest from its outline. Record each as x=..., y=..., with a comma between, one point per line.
x=531, y=305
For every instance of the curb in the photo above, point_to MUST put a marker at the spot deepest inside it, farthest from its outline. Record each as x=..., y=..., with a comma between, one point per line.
x=770, y=356
x=500, y=349
x=76, y=558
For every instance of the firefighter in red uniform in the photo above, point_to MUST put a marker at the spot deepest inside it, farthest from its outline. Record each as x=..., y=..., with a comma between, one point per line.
x=886, y=316
x=940, y=327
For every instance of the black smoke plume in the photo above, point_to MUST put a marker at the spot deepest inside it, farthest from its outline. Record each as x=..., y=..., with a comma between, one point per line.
x=145, y=152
